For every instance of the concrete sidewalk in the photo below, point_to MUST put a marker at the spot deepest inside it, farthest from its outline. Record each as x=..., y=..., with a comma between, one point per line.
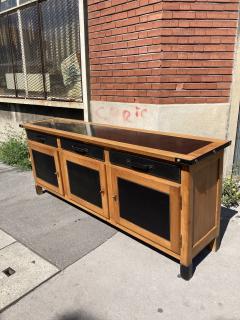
x=117, y=277
x=55, y=230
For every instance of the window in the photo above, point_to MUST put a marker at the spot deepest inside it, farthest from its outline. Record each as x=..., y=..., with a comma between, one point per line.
x=40, y=53
x=7, y=4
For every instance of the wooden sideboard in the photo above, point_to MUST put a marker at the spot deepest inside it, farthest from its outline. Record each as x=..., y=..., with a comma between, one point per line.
x=162, y=188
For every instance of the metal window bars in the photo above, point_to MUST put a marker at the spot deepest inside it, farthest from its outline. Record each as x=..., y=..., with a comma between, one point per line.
x=40, y=51
x=7, y=4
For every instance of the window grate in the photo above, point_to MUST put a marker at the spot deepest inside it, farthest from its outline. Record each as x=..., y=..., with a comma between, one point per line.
x=7, y=4
x=44, y=60
x=61, y=41
x=6, y=61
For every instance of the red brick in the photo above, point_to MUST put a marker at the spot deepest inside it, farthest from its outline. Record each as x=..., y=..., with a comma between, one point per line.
x=151, y=51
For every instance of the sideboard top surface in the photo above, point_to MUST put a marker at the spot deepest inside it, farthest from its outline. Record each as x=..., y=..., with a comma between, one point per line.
x=168, y=146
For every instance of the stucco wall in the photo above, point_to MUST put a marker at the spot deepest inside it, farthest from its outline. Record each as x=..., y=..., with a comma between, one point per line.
x=198, y=119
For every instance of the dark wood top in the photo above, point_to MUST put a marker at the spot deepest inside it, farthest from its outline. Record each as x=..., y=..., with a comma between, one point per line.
x=168, y=146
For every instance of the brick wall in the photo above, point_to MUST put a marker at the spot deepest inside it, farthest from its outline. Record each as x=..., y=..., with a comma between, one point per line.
x=158, y=52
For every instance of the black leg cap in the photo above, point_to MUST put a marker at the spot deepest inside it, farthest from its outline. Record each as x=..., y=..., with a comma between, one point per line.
x=39, y=190
x=186, y=272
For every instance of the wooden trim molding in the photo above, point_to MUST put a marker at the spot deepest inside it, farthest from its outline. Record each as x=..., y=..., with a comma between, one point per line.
x=42, y=102
x=84, y=58
x=213, y=146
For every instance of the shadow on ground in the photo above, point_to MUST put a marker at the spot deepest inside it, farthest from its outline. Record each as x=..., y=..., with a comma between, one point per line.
x=79, y=315
x=226, y=216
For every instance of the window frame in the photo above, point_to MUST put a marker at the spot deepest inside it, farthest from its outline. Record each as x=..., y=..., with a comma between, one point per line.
x=84, y=71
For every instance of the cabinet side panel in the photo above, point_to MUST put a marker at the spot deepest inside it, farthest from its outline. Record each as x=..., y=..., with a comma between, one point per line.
x=205, y=198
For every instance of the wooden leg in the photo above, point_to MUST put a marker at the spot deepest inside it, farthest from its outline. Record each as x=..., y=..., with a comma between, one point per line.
x=186, y=273
x=39, y=190
x=215, y=244
x=186, y=254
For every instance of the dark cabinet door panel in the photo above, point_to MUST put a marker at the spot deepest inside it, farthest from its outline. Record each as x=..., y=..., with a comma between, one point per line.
x=45, y=167
x=84, y=183
x=145, y=207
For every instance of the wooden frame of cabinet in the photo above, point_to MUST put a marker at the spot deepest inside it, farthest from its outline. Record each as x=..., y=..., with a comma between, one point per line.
x=170, y=188
x=214, y=144
x=50, y=151
x=195, y=199
x=88, y=163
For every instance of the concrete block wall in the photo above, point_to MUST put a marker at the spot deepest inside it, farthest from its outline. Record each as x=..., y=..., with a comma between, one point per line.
x=11, y=115
x=162, y=51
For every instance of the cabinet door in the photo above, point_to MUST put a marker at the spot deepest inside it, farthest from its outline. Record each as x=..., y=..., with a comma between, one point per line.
x=45, y=165
x=146, y=205
x=85, y=182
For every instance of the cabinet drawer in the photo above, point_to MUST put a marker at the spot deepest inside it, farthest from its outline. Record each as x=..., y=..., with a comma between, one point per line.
x=82, y=148
x=147, y=165
x=42, y=138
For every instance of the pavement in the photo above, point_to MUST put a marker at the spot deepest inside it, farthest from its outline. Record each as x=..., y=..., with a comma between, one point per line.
x=70, y=266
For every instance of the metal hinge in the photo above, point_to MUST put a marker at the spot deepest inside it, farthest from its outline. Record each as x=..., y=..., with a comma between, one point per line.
x=114, y=197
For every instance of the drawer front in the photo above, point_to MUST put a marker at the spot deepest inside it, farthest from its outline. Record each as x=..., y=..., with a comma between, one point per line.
x=42, y=138
x=146, y=165
x=82, y=148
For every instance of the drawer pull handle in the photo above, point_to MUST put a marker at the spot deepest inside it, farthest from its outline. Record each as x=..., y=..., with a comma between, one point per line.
x=56, y=173
x=139, y=166
x=80, y=150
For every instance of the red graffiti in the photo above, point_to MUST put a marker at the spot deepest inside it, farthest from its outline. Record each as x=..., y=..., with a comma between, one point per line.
x=131, y=116
x=138, y=113
x=114, y=112
x=98, y=113
x=104, y=113
x=126, y=115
